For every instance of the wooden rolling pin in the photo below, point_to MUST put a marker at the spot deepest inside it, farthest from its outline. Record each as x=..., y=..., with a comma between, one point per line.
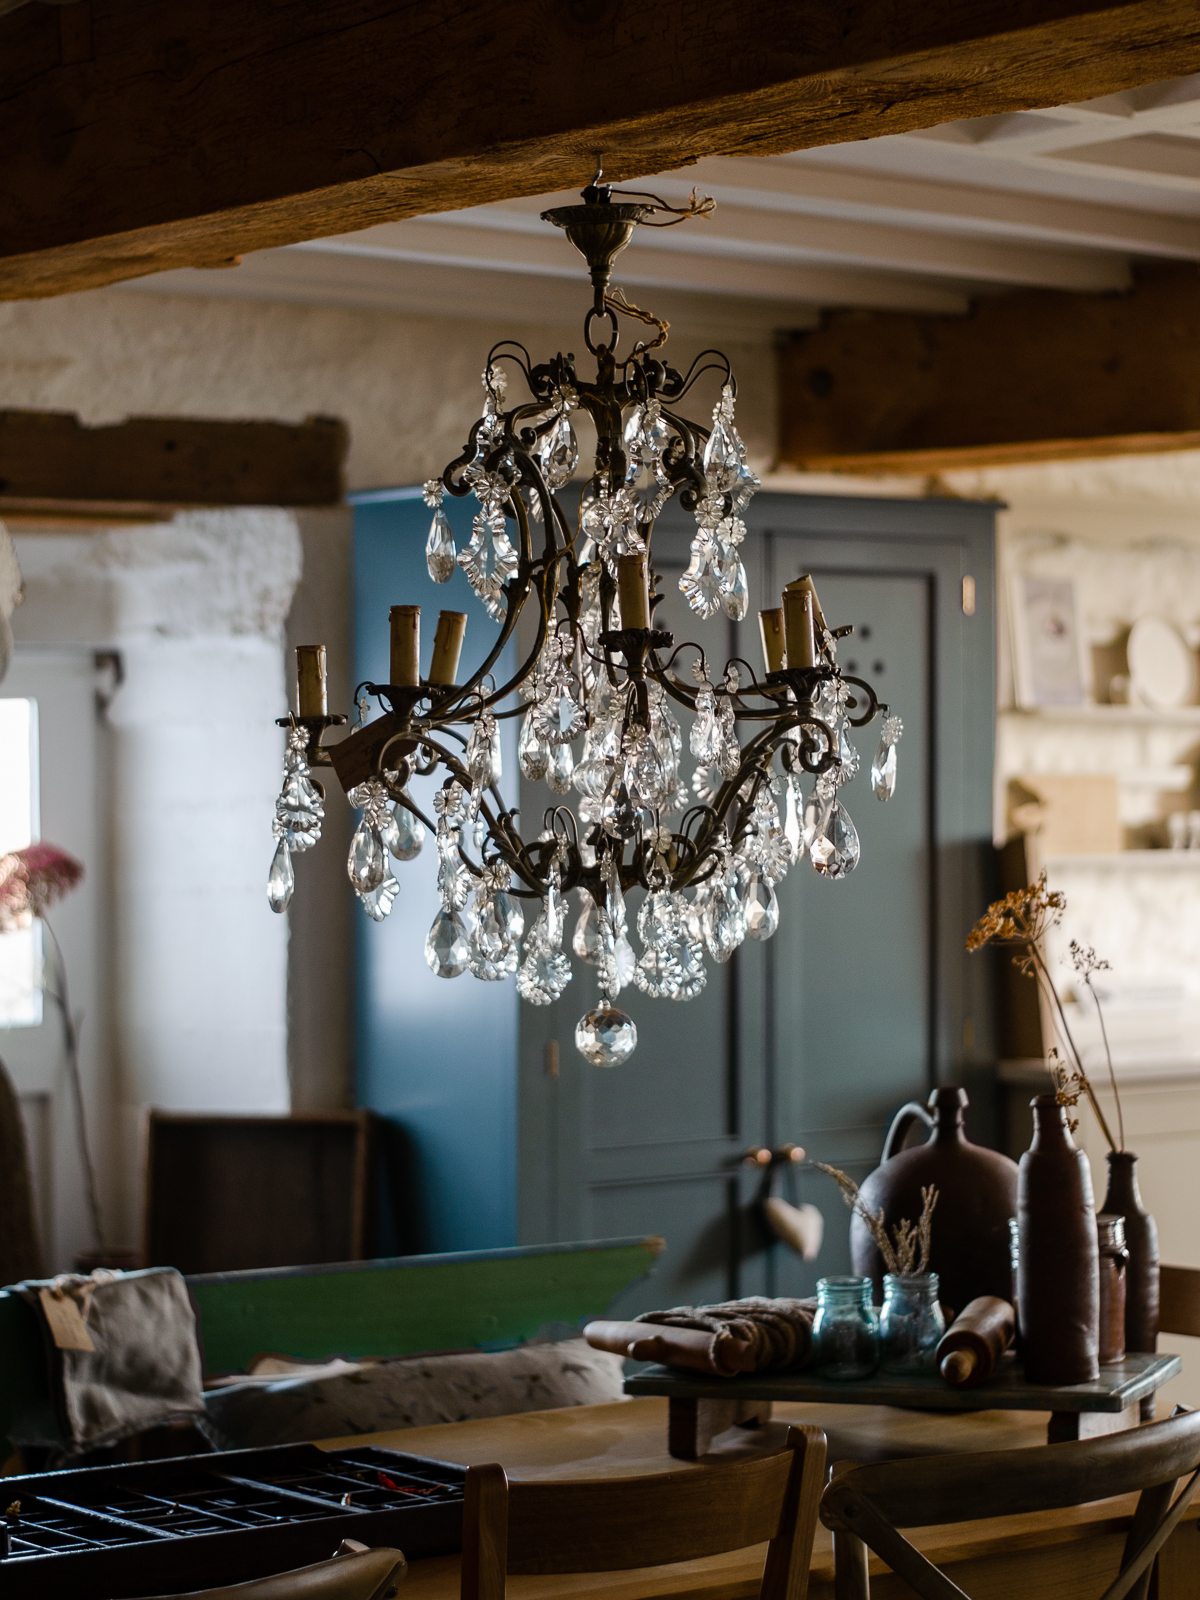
x=975, y=1341
x=674, y=1347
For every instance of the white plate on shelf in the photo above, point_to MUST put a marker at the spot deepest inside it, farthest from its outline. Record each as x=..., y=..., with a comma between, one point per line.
x=1162, y=670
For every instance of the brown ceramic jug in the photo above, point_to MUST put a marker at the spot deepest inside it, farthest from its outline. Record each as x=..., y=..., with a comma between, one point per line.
x=1058, y=1273
x=977, y=1194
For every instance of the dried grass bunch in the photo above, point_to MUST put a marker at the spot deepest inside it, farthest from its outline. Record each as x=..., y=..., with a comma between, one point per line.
x=1022, y=920
x=906, y=1253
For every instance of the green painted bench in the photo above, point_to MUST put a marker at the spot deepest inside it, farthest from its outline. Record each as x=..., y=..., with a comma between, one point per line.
x=401, y=1306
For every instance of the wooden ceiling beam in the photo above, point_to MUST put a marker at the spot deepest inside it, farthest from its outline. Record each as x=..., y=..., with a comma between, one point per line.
x=1031, y=376
x=51, y=464
x=141, y=135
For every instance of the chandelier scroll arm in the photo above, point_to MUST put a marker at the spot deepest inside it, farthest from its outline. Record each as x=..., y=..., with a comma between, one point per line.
x=874, y=704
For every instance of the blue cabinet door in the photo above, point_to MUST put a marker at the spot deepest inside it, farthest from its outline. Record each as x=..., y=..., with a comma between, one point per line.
x=862, y=1000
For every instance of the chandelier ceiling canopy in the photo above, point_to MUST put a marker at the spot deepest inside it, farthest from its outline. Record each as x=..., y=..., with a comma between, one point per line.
x=600, y=691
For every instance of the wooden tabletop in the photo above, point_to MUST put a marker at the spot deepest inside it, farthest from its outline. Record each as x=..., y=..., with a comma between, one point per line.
x=1047, y=1556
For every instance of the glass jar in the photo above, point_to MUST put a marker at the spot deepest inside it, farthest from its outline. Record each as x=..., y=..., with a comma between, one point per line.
x=912, y=1324
x=1114, y=1258
x=845, y=1329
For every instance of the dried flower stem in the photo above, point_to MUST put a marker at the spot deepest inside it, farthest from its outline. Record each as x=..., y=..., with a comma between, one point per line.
x=906, y=1254
x=1022, y=918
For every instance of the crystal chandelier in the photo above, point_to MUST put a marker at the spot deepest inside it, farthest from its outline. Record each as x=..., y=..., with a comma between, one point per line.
x=602, y=688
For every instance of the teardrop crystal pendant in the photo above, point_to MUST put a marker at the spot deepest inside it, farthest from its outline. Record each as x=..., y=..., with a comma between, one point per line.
x=367, y=861
x=533, y=752
x=446, y=950
x=440, y=555
x=605, y=1036
x=834, y=851
x=406, y=836
x=760, y=907
x=281, y=880
x=558, y=452
x=883, y=771
x=735, y=592
x=562, y=764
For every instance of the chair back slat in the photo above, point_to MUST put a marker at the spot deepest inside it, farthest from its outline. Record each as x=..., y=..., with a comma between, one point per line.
x=644, y=1522
x=1179, y=1301
x=615, y=1524
x=949, y=1489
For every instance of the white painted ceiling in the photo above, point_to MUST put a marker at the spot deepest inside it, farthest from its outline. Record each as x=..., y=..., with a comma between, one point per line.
x=1067, y=199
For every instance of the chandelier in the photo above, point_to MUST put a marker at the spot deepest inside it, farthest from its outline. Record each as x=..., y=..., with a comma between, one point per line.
x=602, y=689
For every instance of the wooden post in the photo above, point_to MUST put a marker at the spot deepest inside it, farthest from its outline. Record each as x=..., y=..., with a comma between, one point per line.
x=311, y=682
x=406, y=646
x=447, y=647
x=770, y=628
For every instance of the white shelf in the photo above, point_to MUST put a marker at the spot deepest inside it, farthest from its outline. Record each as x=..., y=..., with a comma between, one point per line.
x=1116, y=716
x=1129, y=860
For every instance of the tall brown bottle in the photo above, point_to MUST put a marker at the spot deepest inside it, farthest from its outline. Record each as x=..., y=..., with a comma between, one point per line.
x=1141, y=1240
x=1058, y=1279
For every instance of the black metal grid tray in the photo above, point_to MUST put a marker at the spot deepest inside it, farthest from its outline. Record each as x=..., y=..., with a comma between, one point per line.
x=192, y=1522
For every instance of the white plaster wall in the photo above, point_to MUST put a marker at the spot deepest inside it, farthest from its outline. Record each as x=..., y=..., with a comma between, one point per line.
x=198, y=960
x=409, y=387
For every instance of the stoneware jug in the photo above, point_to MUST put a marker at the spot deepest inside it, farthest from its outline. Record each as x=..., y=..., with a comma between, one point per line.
x=1058, y=1275
x=977, y=1194
x=1141, y=1241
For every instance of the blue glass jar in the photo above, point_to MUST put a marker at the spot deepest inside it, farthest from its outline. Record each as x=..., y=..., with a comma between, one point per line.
x=846, y=1329
x=911, y=1325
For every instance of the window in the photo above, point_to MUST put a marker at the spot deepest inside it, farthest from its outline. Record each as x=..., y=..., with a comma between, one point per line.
x=20, y=952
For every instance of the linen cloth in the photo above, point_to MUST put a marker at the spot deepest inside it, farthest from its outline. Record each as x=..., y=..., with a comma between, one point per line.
x=779, y=1332
x=145, y=1369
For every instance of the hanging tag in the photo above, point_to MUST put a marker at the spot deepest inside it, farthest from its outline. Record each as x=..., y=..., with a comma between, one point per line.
x=65, y=1321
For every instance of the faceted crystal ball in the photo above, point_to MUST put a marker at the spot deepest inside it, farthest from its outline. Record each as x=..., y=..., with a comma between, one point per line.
x=605, y=1036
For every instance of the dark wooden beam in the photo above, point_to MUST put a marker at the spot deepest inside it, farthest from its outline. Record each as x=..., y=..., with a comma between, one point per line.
x=51, y=464
x=167, y=133
x=1035, y=375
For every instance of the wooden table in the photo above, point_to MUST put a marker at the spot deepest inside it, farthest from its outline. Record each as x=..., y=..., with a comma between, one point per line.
x=1048, y=1556
x=702, y=1407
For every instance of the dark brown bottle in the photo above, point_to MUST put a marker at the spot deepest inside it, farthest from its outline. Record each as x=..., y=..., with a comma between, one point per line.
x=977, y=1194
x=1141, y=1241
x=1058, y=1272
x=975, y=1341
x=1114, y=1259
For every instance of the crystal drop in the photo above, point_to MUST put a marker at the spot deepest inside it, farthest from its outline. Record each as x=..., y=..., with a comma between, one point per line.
x=705, y=738
x=724, y=919
x=560, y=718
x=446, y=945
x=722, y=459
x=593, y=779
x=408, y=836
x=483, y=758
x=489, y=560
x=658, y=974
x=513, y=917
x=883, y=771
x=281, y=880
x=562, y=764
x=760, y=907
x=558, y=452
x=619, y=811
x=657, y=920
x=792, y=829
x=440, y=554
x=533, y=752
x=693, y=974
x=735, y=592
x=700, y=584
x=605, y=1036
x=367, y=862
x=816, y=818
x=542, y=977
x=377, y=902
x=585, y=941
x=553, y=918
x=626, y=961
x=835, y=850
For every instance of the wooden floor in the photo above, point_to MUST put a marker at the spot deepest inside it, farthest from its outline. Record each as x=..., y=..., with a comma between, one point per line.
x=1048, y=1556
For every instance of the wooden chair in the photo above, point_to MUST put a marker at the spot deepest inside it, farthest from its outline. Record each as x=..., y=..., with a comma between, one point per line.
x=1179, y=1301
x=619, y=1523
x=355, y=1573
x=866, y=1506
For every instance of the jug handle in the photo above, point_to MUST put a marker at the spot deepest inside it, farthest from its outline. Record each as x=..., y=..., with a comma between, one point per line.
x=901, y=1123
